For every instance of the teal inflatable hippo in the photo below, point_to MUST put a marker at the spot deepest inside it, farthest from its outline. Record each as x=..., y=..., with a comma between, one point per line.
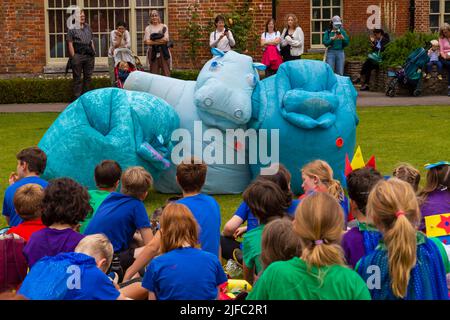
x=133, y=128
x=218, y=101
x=314, y=111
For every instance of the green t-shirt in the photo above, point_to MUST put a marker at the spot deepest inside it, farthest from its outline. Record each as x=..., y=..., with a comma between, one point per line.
x=97, y=197
x=251, y=247
x=293, y=280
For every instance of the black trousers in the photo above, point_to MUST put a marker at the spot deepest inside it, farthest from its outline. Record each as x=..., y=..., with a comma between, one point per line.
x=228, y=244
x=367, y=68
x=82, y=64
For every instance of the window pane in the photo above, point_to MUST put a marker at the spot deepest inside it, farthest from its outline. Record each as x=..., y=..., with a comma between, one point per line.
x=337, y=3
x=326, y=13
x=316, y=14
x=434, y=21
x=316, y=38
x=336, y=12
x=447, y=6
x=326, y=3
x=434, y=6
x=447, y=18
x=325, y=25
x=316, y=26
x=316, y=3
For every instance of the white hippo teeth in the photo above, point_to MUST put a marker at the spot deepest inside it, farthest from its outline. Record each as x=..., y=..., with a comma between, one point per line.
x=238, y=113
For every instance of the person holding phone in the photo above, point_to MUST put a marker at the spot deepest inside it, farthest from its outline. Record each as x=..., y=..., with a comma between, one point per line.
x=336, y=39
x=222, y=37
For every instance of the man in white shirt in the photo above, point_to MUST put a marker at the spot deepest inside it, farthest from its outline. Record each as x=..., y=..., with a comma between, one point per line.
x=222, y=38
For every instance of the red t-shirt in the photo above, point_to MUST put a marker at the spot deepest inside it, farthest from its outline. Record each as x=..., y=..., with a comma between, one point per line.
x=27, y=228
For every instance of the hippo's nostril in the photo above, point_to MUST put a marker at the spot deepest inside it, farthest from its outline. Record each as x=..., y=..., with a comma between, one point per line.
x=208, y=102
x=238, y=113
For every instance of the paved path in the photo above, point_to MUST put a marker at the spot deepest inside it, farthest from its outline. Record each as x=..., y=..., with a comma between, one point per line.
x=365, y=99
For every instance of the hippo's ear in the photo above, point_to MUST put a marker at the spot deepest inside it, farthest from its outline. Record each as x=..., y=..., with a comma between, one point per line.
x=216, y=52
x=259, y=66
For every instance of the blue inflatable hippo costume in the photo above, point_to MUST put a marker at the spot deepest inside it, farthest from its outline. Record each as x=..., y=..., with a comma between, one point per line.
x=133, y=128
x=220, y=99
x=315, y=112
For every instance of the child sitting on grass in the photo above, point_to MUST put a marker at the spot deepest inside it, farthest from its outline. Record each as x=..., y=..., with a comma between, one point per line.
x=122, y=214
x=266, y=201
x=410, y=265
x=190, y=176
x=78, y=275
x=408, y=173
x=362, y=239
x=434, y=198
x=28, y=205
x=107, y=177
x=320, y=272
x=65, y=205
x=31, y=163
x=183, y=271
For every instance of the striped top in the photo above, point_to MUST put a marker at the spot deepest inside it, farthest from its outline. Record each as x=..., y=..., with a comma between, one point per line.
x=82, y=35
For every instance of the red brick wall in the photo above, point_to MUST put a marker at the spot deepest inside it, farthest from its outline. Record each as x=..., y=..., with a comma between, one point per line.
x=302, y=10
x=422, y=19
x=208, y=9
x=22, y=25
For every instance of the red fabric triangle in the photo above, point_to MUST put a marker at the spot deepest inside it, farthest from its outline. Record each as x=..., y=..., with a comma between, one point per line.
x=371, y=163
x=348, y=166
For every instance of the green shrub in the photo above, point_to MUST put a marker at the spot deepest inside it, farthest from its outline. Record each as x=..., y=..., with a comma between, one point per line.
x=358, y=48
x=20, y=90
x=399, y=49
x=313, y=56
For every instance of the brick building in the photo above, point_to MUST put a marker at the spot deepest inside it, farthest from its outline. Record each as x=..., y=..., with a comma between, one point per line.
x=33, y=31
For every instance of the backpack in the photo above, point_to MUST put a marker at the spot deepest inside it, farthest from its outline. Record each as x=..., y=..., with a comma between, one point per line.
x=13, y=265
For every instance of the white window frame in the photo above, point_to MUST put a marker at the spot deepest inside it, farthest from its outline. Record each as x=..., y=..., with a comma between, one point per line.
x=101, y=61
x=441, y=14
x=341, y=7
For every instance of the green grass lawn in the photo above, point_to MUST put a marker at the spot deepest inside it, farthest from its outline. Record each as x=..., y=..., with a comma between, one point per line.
x=417, y=135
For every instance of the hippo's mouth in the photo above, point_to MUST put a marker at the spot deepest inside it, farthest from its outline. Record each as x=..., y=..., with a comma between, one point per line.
x=308, y=110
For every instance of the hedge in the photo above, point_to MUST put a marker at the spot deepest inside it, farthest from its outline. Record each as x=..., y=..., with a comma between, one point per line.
x=37, y=90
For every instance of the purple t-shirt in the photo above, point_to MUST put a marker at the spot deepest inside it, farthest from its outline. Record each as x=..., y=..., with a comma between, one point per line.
x=437, y=202
x=353, y=245
x=50, y=242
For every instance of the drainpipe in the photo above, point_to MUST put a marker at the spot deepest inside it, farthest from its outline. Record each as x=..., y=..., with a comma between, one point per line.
x=274, y=9
x=412, y=12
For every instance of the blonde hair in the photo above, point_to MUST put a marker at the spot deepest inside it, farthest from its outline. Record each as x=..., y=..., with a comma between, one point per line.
x=136, y=181
x=322, y=170
x=178, y=227
x=319, y=222
x=28, y=201
x=393, y=207
x=97, y=246
x=159, y=17
x=407, y=173
x=445, y=27
x=293, y=16
x=437, y=177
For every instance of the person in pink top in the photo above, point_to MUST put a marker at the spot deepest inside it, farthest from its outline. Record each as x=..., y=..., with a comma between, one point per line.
x=444, y=44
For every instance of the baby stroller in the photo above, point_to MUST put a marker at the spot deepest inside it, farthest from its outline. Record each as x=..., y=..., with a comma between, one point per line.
x=410, y=75
x=126, y=55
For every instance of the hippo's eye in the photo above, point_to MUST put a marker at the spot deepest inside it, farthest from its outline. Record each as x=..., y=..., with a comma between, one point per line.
x=251, y=79
x=215, y=65
x=238, y=113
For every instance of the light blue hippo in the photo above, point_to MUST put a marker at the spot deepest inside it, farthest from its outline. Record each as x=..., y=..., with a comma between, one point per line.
x=315, y=112
x=221, y=100
x=133, y=128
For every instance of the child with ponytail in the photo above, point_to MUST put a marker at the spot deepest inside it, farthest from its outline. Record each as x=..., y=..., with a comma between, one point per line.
x=406, y=264
x=317, y=176
x=320, y=272
x=435, y=196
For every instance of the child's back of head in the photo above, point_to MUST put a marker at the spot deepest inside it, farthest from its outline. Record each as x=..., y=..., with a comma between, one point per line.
x=35, y=158
x=408, y=173
x=318, y=222
x=28, y=201
x=283, y=179
x=279, y=242
x=324, y=173
x=65, y=202
x=438, y=178
x=265, y=199
x=191, y=175
x=136, y=182
x=107, y=174
x=99, y=247
x=359, y=184
x=393, y=207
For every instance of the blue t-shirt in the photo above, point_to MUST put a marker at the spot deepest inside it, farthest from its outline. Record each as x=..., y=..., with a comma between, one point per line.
x=118, y=217
x=94, y=284
x=206, y=211
x=184, y=274
x=8, y=201
x=244, y=213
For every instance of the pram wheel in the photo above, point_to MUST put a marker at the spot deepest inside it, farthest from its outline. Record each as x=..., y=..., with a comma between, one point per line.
x=390, y=92
x=417, y=92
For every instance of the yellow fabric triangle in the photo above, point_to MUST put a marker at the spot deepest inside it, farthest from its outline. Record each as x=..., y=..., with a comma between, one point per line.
x=358, y=160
